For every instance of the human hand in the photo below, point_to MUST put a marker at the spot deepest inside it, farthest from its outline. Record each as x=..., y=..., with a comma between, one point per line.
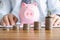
x=8, y=20
x=55, y=20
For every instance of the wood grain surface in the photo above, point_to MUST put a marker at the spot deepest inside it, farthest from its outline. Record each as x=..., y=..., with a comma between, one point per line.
x=42, y=34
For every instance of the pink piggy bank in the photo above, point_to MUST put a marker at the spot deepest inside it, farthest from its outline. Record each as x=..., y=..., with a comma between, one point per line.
x=29, y=13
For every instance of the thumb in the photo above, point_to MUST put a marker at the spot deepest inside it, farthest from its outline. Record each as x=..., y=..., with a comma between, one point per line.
x=15, y=19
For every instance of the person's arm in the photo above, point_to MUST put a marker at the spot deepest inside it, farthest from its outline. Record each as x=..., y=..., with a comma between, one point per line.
x=16, y=8
x=54, y=7
x=5, y=13
x=5, y=8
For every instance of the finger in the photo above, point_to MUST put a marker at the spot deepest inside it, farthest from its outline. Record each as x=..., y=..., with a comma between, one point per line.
x=55, y=20
x=3, y=23
x=53, y=16
x=10, y=16
x=15, y=19
x=58, y=22
x=6, y=20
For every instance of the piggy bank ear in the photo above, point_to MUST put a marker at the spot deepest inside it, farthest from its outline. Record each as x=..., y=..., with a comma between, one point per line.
x=23, y=4
x=35, y=4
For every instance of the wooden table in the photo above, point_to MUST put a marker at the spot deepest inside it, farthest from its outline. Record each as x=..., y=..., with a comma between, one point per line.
x=31, y=34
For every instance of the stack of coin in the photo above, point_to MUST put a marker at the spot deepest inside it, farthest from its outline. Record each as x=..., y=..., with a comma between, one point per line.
x=25, y=26
x=16, y=27
x=36, y=25
x=48, y=24
x=48, y=21
x=6, y=28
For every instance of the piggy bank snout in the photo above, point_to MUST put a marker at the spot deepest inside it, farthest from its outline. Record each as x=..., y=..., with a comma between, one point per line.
x=29, y=13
